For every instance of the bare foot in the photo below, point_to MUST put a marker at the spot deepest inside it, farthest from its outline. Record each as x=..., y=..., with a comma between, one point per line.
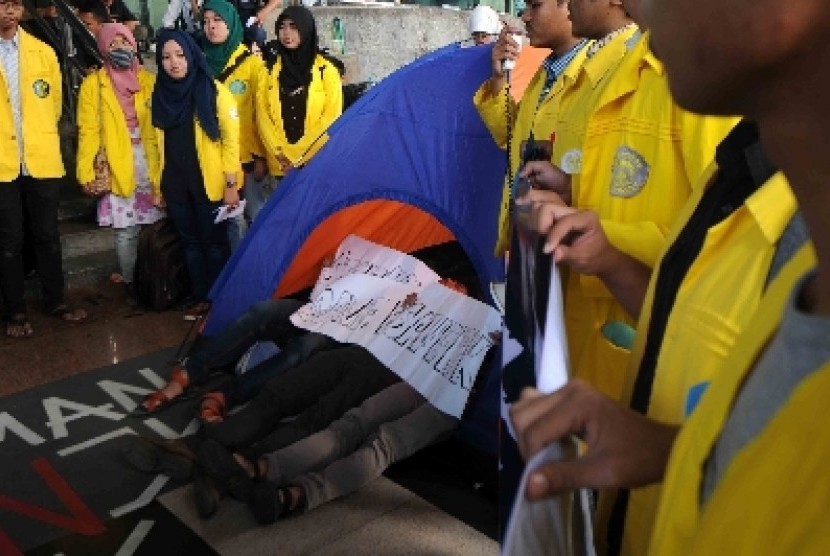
x=245, y=464
x=297, y=497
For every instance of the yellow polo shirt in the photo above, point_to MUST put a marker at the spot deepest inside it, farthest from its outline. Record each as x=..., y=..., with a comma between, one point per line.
x=772, y=499
x=717, y=299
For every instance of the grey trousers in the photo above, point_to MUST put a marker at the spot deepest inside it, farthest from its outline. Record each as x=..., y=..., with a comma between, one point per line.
x=356, y=449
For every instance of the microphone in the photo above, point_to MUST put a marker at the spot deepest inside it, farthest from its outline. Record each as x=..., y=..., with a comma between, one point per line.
x=507, y=66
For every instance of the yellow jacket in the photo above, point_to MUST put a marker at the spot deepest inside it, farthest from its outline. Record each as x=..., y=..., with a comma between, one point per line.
x=216, y=158
x=101, y=119
x=772, y=499
x=242, y=83
x=527, y=118
x=324, y=105
x=576, y=102
x=716, y=301
x=40, y=108
x=641, y=154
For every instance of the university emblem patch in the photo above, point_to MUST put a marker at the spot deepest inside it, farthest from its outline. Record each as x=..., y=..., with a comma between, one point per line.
x=571, y=162
x=41, y=88
x=629, y=173
x=238, y=87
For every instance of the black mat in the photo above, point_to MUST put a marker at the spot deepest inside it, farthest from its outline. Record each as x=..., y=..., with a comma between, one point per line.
x=62, y=473
x=64, y=487
x=151, y=531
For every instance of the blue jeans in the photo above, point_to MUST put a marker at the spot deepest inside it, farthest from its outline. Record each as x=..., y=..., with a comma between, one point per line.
x=205, y=244
x=126, y=248
x=257, y=193
x=266, y=320
x=237, y=226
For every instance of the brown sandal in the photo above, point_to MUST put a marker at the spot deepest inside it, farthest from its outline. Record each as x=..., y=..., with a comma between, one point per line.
x=158, y=399
x=213, y=408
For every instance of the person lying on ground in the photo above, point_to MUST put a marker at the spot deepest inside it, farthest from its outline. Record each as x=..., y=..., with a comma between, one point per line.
x=315, y=393
x=350, y=453
x=264, y=321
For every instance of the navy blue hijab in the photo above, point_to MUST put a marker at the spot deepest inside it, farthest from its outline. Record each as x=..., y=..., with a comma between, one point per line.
x=176, y=100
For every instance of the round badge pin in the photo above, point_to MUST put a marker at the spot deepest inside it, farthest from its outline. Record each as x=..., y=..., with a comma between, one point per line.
x=41, y=88
x=238, y=87
x=571, y=162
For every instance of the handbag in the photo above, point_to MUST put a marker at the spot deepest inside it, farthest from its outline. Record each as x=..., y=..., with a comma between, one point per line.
x=101, y=184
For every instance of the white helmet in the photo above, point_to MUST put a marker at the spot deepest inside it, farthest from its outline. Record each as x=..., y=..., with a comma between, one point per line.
x=484, y=19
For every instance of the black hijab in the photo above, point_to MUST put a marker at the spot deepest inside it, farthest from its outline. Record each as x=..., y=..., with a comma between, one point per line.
x=175, y=101
x=298, y=63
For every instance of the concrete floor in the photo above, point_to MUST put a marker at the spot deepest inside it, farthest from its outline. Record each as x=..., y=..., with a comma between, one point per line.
x=113, y=333
x=382, y=519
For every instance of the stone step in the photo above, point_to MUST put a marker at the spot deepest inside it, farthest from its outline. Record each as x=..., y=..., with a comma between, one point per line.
x=76, y=207
x=80, y=237
x=91, y=269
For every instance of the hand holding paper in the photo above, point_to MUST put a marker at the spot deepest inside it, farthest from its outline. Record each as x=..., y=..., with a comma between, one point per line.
x=625, y=449
x=226, y=211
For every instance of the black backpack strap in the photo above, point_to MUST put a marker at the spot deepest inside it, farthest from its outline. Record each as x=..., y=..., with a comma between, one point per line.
x=232, y=68
x=335, y=61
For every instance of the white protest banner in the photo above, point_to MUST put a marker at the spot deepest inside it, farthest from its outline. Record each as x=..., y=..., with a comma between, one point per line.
x=435, y=342
x=356, y=255
x=552, y=372
x=558, y=526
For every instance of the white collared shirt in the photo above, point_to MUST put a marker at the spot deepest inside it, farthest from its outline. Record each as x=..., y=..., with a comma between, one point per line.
x=10, y=61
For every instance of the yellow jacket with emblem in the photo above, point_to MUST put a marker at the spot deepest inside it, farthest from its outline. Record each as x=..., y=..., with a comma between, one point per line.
x=216, y=158
x=242, y=83
x=641, y=155
x=323, y=105
x=715, y=302
x=101, y=121
x=40, y=108
x=577, y=100
x=772, y=498
x=528, y=118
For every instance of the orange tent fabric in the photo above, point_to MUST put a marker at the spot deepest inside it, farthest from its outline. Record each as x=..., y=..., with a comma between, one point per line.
x=527, y=64
x=376, y=220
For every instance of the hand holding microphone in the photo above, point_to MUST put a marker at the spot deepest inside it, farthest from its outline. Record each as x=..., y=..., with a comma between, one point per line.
x=506, y=50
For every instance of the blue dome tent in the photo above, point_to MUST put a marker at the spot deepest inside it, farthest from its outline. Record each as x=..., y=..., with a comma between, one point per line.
x=409, y=165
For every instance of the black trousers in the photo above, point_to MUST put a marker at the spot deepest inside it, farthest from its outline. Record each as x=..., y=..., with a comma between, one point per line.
x=318, y=392
x=36, y=200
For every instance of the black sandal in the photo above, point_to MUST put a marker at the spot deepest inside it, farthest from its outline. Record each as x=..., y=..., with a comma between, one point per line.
x=206, y=494
x=169, y=457
x=269, y=502
x=223, y=468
